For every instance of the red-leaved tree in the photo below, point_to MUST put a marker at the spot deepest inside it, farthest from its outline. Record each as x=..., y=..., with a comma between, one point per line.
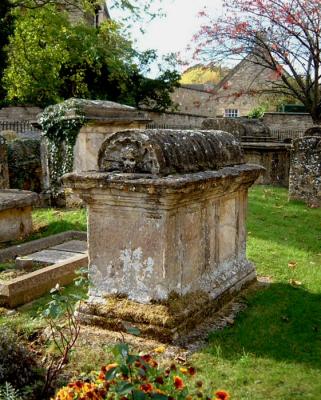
x=283, y=36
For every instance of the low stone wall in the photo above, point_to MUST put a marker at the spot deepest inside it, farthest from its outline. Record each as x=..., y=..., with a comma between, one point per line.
x=19, y=113
x=174, y=120
x=305, y=173
x=274, y=157
x=287, y=121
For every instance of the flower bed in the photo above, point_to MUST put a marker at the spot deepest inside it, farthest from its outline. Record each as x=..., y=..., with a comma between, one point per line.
x=138, y=377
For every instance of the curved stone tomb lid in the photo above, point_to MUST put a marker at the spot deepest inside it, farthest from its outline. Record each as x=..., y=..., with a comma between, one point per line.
x=165, y=152
x=98, y=109
x=12, y=198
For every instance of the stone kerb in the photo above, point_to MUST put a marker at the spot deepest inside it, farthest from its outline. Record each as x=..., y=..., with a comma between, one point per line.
x=305, y=170
x=166, y=228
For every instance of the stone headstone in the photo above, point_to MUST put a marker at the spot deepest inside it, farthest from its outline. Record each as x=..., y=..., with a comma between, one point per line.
x=305, y=170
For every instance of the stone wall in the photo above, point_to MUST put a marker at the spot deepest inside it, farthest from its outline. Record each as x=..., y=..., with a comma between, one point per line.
x=305, y=172
x=172, y=119
x=274, y=157
x=288, y=121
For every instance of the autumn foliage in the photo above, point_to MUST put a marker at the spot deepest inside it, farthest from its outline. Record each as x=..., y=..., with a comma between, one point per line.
x=280, y=35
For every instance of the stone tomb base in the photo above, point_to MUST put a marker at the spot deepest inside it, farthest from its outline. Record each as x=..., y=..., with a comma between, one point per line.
x=163, y=321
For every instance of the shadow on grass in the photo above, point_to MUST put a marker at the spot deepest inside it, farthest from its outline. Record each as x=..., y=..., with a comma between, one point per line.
x=282, y=323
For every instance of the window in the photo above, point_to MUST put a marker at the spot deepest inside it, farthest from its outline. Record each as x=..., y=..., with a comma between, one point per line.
x=231, y=113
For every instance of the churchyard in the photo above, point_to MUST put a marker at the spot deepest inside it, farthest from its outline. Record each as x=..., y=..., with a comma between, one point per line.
x=265, y=346
x=159, y=239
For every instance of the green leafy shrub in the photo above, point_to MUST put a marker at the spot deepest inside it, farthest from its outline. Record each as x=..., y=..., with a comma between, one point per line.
x=17, y=365
x=257, y=112
x=138, y=377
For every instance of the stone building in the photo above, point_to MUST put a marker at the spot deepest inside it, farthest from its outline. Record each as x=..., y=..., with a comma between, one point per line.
x=241, y=90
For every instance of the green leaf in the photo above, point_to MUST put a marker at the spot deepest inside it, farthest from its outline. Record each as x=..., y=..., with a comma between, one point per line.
x=132, y=330
x=121, y=349
x=159, y=396
x=124, y=387
x=139, y=395
x=111, y=373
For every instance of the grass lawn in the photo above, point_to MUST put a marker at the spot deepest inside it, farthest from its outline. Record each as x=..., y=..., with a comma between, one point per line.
x=273, y=351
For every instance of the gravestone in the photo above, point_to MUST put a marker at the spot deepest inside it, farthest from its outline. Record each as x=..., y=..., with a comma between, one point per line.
x=166, y=228
x=305, y=170
x=4, y=171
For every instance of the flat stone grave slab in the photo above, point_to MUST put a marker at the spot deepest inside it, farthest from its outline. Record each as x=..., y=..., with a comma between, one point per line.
x=53, y=254
x=73, y=246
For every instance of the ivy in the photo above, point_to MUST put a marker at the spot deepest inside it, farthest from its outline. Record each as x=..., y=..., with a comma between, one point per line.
x=61, y=124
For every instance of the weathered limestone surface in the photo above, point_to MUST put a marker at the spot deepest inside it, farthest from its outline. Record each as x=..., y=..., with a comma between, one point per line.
x=4, y=172
x=159, y=152
x=274, y=157
x=15, y=213
x=305, y=171
x=166, y=228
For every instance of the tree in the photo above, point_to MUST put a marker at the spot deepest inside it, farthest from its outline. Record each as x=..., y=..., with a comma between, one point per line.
x=282, y=36
x=52, y=59
x=6, y=28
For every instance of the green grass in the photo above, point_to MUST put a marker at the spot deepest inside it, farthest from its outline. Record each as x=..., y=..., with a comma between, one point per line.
x=274, y=348
x=273, y=351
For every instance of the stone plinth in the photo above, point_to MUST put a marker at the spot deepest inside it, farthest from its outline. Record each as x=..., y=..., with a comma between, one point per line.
x=15, y=213
x=4, y=171
x=166, y=228
x=305, y=171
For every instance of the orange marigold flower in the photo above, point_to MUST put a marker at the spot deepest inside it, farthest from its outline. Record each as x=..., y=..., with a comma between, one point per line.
x=183, y=370
x=178, y=382
x=222, y=395
x=192, y=371
x=147, y=387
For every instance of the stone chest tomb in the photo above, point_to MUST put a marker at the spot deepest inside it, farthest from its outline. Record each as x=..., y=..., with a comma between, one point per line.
x=166, y=228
